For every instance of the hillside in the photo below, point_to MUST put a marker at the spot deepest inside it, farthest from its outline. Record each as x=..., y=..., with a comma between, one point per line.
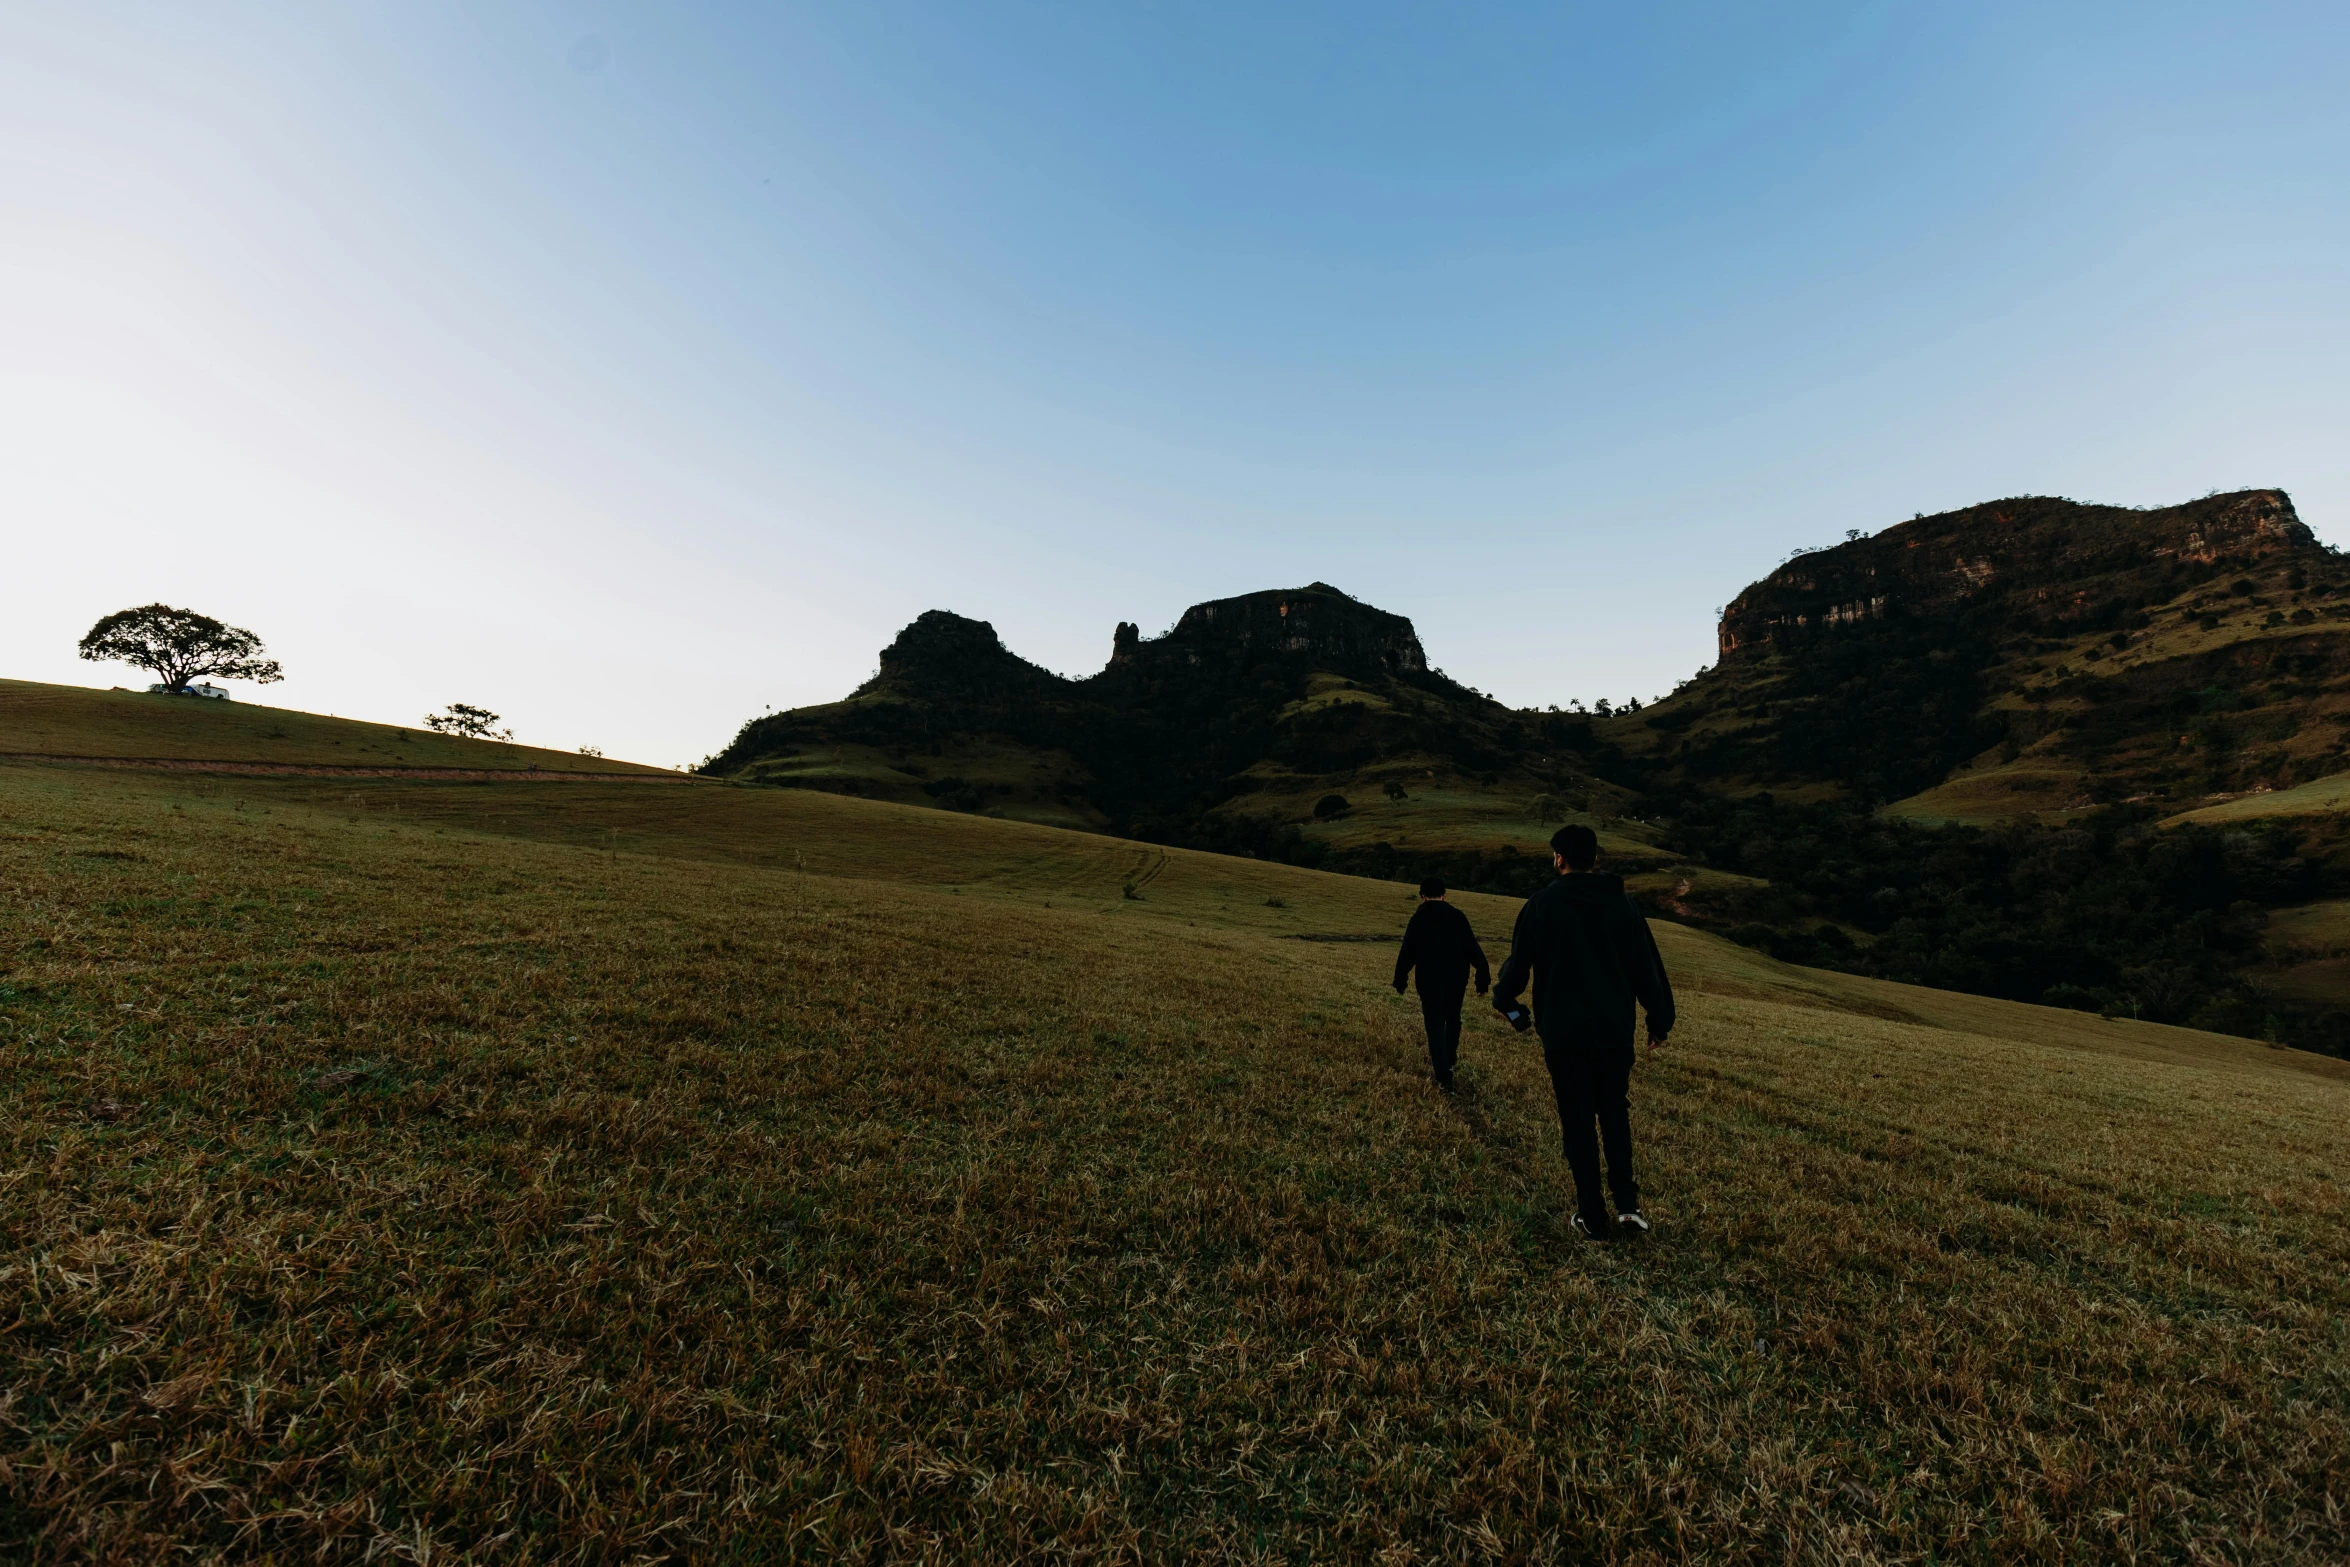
x=2026, y=658
x=436, y=1168
x=1996, y=750
x=81, y=723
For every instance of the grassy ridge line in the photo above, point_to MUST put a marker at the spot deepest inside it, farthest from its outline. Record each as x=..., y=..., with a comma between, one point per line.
x=2319, y=797
x=392, y=1185
x=173, y=764
x=82, y=722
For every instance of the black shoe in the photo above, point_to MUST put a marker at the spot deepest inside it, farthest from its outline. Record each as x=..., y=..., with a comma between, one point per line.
x=1592, y=1230
x=1632, y=1219
x=1444, y=1084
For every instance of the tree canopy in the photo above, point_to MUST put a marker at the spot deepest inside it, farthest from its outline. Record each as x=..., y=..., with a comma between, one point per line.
x=463, y=718
x=179, y=645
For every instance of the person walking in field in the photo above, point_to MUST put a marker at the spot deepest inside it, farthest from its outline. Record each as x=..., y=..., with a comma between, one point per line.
x=1439, y=945
x=1591, y=957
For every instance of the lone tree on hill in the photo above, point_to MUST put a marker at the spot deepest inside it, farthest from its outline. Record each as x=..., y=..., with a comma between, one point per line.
x=177, y=646
x=464, y=719
x=1330, y=807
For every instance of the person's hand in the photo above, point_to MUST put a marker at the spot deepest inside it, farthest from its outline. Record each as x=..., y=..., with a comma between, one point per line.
x=1399, y=987
x=1656, y=1036
x=1481, y=990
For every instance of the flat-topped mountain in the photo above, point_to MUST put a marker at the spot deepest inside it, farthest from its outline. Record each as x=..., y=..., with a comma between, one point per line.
x=2049, y=564
x=2025, y=656
x=1317, y=623
x=2148, y=709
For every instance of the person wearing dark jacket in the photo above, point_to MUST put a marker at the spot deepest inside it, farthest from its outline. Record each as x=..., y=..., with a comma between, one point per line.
x=1591, y=957
x=1439, y=944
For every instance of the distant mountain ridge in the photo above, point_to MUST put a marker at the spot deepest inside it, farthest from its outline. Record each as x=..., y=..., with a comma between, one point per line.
x=2092, y=650
x=942, y=654
x=1218, y=733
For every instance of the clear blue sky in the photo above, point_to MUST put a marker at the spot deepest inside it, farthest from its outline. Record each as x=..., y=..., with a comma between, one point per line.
x=630, y=368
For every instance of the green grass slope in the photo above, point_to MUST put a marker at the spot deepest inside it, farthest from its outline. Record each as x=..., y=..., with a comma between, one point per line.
x=2323, y=797
x=445, y=1170
x=83, y=722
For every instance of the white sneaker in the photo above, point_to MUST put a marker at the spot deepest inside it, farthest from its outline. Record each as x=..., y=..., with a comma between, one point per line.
x=1583, y=1229
x=1634, y=1220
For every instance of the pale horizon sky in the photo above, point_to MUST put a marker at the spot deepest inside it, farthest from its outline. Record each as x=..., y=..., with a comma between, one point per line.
x=630, y=369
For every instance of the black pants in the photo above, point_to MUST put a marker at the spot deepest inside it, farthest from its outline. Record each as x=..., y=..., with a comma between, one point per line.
x=1594, y=1086
x=1442, y=1013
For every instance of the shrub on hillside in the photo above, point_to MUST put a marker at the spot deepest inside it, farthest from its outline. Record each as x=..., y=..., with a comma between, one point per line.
x=468, y=722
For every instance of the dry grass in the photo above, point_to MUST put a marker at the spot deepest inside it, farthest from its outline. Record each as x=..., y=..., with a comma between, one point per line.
x=2319, y=797
x=2308, y=954
x=1447, y=816
x=2311, y=930
x=1985, y=795
x=1012, y=782
x=538, y=1175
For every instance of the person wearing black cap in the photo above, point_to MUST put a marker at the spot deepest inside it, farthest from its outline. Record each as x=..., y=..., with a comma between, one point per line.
x=1441, y=946
x=1591, y=957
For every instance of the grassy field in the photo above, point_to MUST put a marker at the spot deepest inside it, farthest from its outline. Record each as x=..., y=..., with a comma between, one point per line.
x=1449, y=816
x=435, y=1171
x=2319, y=797
x=1987, y=795
x=2312, y=930
x=2308, y=954
x=45, y=720
x=986, y=777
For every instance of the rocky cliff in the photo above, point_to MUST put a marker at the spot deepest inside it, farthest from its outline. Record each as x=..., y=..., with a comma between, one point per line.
x=942, y=656
x=2092, y=651
x=2053, y=564
x=1317, y=623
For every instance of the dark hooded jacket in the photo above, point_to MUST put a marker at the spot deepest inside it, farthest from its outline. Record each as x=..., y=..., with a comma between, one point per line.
x=1441, y=946
x=1589, y=953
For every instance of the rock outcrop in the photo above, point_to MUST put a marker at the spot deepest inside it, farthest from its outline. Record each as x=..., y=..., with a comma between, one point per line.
x=2054, y=562
x=942, y=656
x=1317, y=623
